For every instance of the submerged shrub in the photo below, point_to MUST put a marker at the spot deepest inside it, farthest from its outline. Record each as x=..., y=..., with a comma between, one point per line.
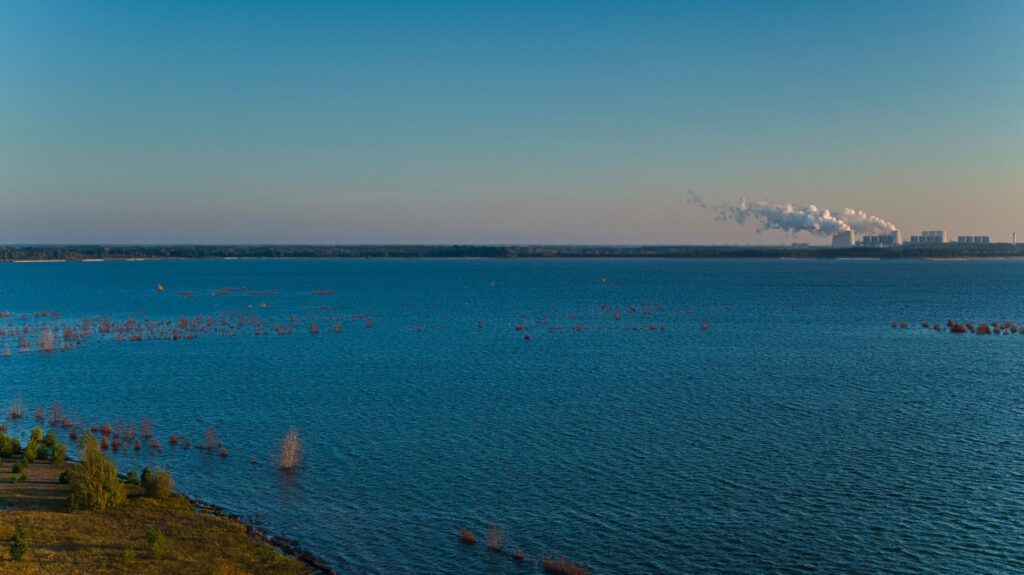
x=291, y=450
x=94, y=482
x=158, y=485
x=19, y=543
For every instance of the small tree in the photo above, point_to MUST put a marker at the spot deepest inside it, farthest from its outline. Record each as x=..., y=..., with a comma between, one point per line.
x=291, y=450
x=60, y=453
x=158, y=484
x=94, y=482
x=19, y=543
x=37, y=434
x=31, y=451
x=50, y=439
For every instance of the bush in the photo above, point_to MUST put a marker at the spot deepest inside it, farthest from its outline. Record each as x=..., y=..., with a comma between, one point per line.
x=65, y=477
x=146, y=475
x=37, y=434
x=19, y=543
x=6, y=446
x=94, y=482
x=156, y=543
x=18, y=467
x=50, y=439
x=133, y=478
x=60, y=453
x=31, y=451
x=158, y=485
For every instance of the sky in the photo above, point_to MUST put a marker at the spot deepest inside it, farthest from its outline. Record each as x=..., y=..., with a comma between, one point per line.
x=503, y=122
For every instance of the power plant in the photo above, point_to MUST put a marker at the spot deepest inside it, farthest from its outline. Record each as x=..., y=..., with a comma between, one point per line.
x=848, y=239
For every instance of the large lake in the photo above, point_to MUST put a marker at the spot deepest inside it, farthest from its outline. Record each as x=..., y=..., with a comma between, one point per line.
x=694, y=416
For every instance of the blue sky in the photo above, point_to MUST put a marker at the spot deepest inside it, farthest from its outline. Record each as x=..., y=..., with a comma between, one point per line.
x=523, y=122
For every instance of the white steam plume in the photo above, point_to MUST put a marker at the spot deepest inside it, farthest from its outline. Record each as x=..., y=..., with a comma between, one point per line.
x=810, y=218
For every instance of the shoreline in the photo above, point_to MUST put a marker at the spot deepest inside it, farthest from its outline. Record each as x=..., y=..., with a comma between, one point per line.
x=59, y=537
x=287, y=546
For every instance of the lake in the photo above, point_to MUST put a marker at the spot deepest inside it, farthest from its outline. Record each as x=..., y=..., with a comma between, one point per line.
x=636, y=416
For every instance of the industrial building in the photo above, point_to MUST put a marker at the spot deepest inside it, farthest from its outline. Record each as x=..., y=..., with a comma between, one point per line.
x=881, y=241
x=929, y=237
x=972, y=239
x=845, y=239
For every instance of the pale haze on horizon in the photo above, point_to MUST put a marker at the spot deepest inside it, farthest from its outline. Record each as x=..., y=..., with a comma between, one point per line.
x=526, y=122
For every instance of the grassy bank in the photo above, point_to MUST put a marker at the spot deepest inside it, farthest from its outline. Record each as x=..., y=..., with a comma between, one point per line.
x=144, y=535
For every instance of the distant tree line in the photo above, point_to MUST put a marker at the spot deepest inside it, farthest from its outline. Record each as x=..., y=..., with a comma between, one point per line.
x=85, y=252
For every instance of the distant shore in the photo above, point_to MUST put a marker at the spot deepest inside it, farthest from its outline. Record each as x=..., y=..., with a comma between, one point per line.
x=102, y=253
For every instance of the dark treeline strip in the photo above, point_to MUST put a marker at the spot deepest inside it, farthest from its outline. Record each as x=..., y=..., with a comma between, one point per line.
x=84, y=252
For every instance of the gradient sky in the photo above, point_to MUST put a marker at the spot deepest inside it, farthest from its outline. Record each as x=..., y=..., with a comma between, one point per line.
x=495, y=122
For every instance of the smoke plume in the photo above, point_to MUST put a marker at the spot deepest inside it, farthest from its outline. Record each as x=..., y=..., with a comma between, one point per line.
x=810, y=218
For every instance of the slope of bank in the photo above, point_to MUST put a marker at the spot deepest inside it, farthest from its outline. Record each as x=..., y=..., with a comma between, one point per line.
x=190, y=540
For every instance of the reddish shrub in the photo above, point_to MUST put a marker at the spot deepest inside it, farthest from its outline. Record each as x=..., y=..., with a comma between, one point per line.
x=466, y=536
x=562, y=566
x=517, y=554
x=173, y=440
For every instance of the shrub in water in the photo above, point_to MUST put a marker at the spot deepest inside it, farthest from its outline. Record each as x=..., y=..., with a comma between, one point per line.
x=159, y=484
x=94, y=483
x=495, y=538
x=156, y=543
x=19, y=543
x=291, y=450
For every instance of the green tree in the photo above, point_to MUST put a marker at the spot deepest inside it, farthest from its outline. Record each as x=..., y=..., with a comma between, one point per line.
x=60, y=453
x=94, y=483
x=157, y=484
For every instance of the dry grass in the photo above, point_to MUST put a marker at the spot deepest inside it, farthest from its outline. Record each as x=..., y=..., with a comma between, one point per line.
x=114, y=541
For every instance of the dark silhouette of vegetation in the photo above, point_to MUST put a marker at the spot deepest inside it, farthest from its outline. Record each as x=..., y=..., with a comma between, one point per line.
x=79, y=252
